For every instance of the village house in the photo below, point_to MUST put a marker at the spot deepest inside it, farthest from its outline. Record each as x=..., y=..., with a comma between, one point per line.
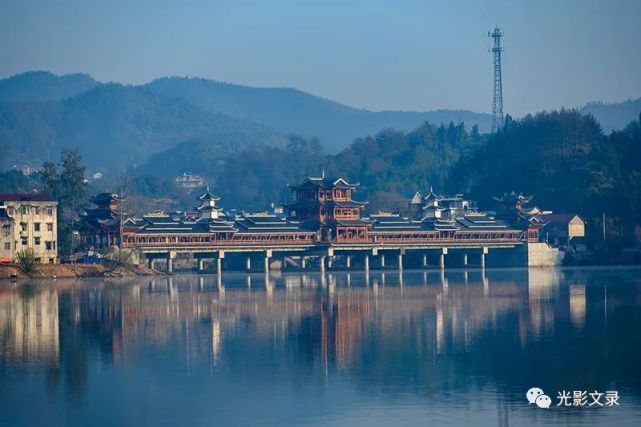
x=28, y=221
x=566, y=231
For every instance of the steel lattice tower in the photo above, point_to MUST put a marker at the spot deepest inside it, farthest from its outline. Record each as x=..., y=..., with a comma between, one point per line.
x=497, y=105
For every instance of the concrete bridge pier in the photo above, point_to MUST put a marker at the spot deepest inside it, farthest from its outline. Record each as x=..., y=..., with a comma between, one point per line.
x=484, y=252
x=303, y=262
x=321, y=263
x=425, y=260
x=441, y=260
x=248, y=263
x=366, y=263
x=201, y=265
x=400, y=259
x=170, y=261
x=268, y=255
x=330, y=262
x=219, y=263
x=465, y=259
x=348, y=261
x=382, y=260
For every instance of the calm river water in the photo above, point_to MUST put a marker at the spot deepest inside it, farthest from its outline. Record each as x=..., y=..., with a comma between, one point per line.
x=460, y=348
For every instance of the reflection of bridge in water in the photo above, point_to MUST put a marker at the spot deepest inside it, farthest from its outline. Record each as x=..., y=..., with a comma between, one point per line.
x=406, y=336
x=343, y=306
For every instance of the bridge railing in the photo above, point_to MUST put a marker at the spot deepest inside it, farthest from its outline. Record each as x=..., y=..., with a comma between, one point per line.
x=130, y=240
x=134, y=240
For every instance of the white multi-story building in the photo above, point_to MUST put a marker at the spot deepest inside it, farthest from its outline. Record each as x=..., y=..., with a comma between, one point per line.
x=189, y=181
x=28, y=221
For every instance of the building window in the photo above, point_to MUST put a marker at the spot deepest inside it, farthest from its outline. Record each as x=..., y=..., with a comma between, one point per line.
x=6, y=230
x=7, y=246
x=24, y=241
x=49, y=210
x=49, y=226
x=36, y=210
x=24, y=210
x=36, y=241
x=23, y=226
x=48, y=245
x=36, y=226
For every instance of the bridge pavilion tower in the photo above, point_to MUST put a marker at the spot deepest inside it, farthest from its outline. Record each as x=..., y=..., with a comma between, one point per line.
x=326, y=205
x=208, y=208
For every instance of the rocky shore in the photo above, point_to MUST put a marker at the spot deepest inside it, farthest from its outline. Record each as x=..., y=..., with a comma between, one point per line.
x=52, y=271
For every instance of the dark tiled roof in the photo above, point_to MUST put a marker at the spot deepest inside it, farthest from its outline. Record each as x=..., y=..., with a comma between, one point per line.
x=248, y=223
x=348, y=204
x=325, y=183
x=330, y=204
x=208, y=196
x=482, y=222
x=102, y=199
x=471, y=222
x=393, y=222
x=556, y=218
x=352, y=222
x=25, y=197
x=206, y=208
x=252, y=223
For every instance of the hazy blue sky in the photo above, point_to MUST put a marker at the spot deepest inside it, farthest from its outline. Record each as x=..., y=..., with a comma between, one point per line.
x=396, y=54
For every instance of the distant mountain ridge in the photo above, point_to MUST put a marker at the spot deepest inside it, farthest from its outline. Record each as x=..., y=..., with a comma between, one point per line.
x=44, y=86
x=292, y=111
x=613, y=116
x=118, y=126
x=121, y=125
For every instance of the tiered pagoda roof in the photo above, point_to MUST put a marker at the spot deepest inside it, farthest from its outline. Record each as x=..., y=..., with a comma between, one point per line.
x=325, y=183
x=208, y=196
x=105, y=217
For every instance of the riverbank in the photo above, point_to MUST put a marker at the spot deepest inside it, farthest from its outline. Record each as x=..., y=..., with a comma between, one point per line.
x=51, y=271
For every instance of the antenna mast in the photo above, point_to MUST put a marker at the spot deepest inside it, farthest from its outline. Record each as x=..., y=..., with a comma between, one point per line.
x=497, y=104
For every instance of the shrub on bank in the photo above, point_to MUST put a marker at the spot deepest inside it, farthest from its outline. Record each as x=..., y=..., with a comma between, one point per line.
x=28, y=261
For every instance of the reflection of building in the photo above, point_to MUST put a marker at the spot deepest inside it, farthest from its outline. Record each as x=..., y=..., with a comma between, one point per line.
x=29, y=324
x=28, y=221
x=577, y=305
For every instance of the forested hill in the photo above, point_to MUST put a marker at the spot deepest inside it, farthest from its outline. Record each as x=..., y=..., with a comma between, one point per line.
x=613, y=116
x=567, y=163
x=389, y=165
x=116, y=126
x=292, y=111
x=44, y=86
x=176, y=121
